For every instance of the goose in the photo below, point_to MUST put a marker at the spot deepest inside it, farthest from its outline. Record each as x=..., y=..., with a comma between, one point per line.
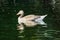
x=29, y=20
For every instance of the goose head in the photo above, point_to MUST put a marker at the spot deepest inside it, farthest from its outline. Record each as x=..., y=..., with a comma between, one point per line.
x=20, y=13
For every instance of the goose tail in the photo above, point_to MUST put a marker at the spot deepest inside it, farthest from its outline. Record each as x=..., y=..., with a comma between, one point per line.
x=40, y=20
x=42, y=17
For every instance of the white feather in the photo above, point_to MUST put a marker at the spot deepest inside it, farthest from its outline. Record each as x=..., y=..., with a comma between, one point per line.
x=27, y=20
x=40, y=20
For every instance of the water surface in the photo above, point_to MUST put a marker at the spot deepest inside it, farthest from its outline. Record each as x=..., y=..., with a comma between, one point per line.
x=8, y=20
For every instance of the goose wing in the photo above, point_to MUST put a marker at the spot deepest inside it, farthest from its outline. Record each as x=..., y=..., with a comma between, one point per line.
x=31, y=17
x=30, y=23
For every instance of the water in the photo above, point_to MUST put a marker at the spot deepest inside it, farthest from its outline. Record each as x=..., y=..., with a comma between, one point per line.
x=8, y=20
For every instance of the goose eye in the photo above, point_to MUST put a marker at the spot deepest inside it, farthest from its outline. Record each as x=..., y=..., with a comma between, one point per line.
x=19, y=15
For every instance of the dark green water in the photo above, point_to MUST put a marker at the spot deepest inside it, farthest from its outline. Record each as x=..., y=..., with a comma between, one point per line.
x=8, y=20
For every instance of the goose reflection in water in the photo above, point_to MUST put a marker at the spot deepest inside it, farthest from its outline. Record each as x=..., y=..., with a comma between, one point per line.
x=29, y=20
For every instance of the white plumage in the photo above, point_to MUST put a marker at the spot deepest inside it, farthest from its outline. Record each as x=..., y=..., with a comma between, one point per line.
x=28, y=20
